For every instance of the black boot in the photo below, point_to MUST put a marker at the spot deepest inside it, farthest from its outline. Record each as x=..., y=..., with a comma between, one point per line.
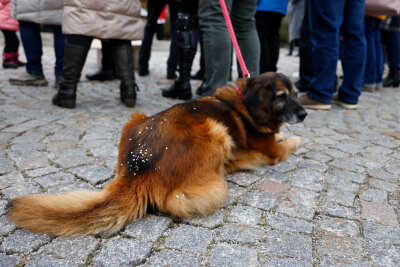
x=123, y=60
x=187, y=41
x=393, y=78
x=74, y=59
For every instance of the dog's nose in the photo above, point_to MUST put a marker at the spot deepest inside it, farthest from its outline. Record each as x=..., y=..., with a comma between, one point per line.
x=302, y=114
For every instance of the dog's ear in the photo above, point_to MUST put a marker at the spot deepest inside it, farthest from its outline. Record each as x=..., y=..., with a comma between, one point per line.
x=258, y=99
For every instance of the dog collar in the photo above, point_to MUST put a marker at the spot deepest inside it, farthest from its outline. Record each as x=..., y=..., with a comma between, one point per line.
x=239, y=93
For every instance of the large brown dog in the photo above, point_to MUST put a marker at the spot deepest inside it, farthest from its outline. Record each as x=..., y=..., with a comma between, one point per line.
x=176, y=160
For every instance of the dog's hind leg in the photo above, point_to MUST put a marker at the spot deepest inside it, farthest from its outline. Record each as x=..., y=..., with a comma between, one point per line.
x=197, y=199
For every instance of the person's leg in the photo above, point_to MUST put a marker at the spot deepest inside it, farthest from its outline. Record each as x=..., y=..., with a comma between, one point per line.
x=59, y=47
x=392, y=44
x=154, y=8
x=243, y=12
x=76, y=50
x=274, y=37
x=379, y=56
x=11, y=44
x=370, y=66
x=305, y=52
x=262, y=25
x=106, y=72
x=217, y=45
x=32, y=43
x=325, y=20
x=354, y=51
x=172, y=62
x=187, y=43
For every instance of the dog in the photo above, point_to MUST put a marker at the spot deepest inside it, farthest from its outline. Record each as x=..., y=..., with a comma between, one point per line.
x=175, y=161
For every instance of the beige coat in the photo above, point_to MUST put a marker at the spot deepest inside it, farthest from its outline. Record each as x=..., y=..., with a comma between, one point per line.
x=38, y=11
x=103, y=19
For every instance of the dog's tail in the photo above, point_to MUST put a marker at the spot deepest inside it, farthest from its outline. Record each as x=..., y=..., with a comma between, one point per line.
x=81, y=212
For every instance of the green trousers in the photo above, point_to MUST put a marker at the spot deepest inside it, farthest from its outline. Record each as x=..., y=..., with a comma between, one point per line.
x=217, y=43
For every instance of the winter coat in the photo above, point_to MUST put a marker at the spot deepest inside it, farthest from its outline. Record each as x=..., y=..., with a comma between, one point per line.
x=6, y=22
x=38, y=11
x=279, y=6
x=111, y=19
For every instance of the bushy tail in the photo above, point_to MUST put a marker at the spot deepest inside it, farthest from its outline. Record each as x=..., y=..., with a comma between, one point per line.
x=80, y=212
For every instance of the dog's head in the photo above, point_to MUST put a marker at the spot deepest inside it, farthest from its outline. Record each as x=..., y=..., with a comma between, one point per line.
x=271, y=97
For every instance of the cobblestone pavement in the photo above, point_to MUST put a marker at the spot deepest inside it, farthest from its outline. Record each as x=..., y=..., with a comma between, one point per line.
x=335, y=202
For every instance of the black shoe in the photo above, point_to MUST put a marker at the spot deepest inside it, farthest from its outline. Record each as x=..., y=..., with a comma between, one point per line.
x=101, y=75
x=128, y=95
x=179, y=90
x=143, y=72
x=301, y=85
x=393, y=78
x=201, y=91
x=199, y=75
x=65, y=97
x=171, y=75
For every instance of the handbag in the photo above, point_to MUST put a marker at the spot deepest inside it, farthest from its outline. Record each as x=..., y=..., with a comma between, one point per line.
x=382, y=7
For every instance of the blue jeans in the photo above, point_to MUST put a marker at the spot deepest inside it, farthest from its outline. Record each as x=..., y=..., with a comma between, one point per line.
x=328, y=19
x=374, y=65
x=391, y=40
x=32, y=43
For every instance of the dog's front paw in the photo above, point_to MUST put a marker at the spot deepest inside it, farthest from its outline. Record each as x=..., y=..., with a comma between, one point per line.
x=279, y=137
x=295, y=141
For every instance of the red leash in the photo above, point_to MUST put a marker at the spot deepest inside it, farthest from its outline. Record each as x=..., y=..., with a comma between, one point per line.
x=228, y=21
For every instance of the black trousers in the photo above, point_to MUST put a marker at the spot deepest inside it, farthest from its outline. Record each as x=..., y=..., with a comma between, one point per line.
x=306, y=67
x=11, y=41
x=154, y=9
x=107, y=62
x=268, y=25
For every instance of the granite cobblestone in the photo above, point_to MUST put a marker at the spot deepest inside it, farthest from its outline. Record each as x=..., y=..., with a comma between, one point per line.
x=334, y=202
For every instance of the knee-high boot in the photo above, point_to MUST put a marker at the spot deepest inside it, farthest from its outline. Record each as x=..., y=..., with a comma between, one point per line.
x=187, y=41
x=123, y=60
x=74, y=59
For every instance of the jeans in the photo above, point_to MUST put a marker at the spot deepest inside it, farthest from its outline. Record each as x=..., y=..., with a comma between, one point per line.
x=154, y=8
x=391, y=41
x=217, y=44
x=327, y=19
x=374, y=65
x=268, y=26
x=32, y=43
x=11, y=43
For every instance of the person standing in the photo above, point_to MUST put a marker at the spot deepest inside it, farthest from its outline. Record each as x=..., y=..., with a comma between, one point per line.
x=30, y=16
x=85, y=20
x=268, y=20
x=217, y=44
x=327, y=19
x=9, y=26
